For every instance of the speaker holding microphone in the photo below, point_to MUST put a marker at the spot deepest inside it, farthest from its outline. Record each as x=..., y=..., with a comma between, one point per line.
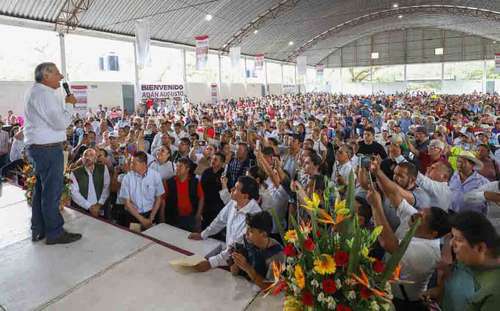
x=66, y=88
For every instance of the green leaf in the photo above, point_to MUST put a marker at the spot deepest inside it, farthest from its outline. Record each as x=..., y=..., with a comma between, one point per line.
x=355, y=252
x=399, y=253
x=276, y=218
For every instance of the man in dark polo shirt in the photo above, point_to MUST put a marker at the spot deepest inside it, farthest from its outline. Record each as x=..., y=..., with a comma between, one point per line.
x=211, y=184
x=184, y=198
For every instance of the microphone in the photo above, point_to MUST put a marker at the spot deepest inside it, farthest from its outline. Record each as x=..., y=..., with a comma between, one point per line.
x=66, y=88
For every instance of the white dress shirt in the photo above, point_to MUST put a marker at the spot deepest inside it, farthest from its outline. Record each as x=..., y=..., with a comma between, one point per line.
x=166, y=170
x=344, y=170
x=234, y=221
x=46, y=117
x=16, y=150
x=477, y=197
x=439, y=193
x=80, y=200
x=419, y=261
x=142, y=190
x=275, y=198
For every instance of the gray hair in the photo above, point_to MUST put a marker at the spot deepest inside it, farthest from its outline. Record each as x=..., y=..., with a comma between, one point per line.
x=41, y=69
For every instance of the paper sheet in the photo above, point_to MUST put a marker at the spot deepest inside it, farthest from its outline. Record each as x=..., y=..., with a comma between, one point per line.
x=187, y=261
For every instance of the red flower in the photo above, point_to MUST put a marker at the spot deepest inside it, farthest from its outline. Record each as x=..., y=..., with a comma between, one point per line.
x=307, y=298
x=318, y=233
x=341, y=307
x=365, y=293
x=289, y=250
x=279, y=287
x=378, y=266
x=341, y=258
x=309, y=245
x=329, y=286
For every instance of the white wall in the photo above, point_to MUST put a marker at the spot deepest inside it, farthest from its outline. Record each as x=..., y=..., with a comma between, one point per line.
x=275, y=89
x=12, y=93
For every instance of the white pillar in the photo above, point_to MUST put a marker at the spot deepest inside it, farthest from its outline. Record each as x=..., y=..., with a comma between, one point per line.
x=62, y=47
x=137, y=82
x=184, y=79
x=282, y=79
x=220, y=76
x=442, y=76
x=484, y=75
x=266, y=86
x=245, y=62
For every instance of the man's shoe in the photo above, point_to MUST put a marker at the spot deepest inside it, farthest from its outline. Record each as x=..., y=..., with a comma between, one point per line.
x=37, y=237
x=64, y=238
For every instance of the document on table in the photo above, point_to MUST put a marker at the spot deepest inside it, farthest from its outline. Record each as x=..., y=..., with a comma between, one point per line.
x=187, y=261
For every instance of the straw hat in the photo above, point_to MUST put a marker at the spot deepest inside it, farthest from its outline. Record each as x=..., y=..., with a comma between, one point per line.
x=471, y=157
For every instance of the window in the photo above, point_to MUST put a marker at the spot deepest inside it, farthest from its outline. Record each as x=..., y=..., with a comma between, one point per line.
x=288, y=74
x=463, y=71
x=97, y=59
x=274, y=74
x=23, y=49
x=210, y=74
x=416, y=72
x=166, y=66
x=386, y=74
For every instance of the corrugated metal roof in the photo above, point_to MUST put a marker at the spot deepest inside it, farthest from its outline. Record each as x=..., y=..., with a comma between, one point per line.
x=180, y=20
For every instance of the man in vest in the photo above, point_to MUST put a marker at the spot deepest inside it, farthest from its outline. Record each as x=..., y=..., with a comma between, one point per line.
x=90, y=184
x=184, y=198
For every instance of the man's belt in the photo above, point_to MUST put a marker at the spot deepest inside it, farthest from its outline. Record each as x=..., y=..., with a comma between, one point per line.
x=37, y=146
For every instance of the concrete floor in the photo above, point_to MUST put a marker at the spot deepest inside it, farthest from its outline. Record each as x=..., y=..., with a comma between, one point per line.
x=109, y=269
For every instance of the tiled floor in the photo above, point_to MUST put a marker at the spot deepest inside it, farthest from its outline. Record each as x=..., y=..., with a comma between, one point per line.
x=109, y=269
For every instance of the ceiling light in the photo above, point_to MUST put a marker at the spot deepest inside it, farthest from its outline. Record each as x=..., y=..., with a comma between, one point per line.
x=255, y=31
x=290, y=43
x=400, y=16
x=395, y=5
x=375, y=55
x=208, y=17
x=438, y=51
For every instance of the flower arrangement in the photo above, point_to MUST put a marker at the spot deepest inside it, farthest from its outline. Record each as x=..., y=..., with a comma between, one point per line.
x=30, y=182
x=328, y=264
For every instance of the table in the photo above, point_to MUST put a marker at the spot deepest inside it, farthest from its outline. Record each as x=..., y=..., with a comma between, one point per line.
x=179, y=238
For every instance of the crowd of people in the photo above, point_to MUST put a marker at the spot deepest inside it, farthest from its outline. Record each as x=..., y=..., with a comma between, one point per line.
x=222, y=170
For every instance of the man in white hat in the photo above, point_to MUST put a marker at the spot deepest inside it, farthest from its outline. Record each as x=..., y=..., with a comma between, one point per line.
x=466, y=179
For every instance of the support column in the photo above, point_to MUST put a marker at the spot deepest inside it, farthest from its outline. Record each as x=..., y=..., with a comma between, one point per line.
x=282, y=79
x=137, y=82
x=220, y=76
x=62, y=47
x=484, y=75
x=266, y=87
x=246, y=82
x=184, y=78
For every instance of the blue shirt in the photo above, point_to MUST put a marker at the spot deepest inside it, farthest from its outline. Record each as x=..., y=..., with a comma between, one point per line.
x=142, y=190
x=458, y=189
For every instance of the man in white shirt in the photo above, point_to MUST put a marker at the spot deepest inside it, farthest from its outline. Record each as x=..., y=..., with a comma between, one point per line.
x=90, y=184
x=16, y=155
x=141, y=190
x=423, y=253
x=232, y=217
x=435, y=183
x=44, y=134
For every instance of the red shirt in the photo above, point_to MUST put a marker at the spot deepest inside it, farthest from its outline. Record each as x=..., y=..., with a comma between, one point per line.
x=183, y=200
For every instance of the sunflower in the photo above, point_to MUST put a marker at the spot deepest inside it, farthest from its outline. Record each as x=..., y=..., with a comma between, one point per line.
x=339, y=205
x=299, y=276
x=324, y=264
x=291, y=236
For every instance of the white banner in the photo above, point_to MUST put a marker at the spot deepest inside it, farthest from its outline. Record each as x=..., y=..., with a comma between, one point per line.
x=201, y=52
x=497, y=62
x=81, y=94
x=320, y=68
x=235, y=54
x=143, y=43
x=259, y=62
x=301, y=65
x=161, y=91
x=214, y=93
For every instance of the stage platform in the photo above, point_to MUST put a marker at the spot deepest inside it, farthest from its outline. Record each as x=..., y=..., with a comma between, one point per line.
x=110, y=268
